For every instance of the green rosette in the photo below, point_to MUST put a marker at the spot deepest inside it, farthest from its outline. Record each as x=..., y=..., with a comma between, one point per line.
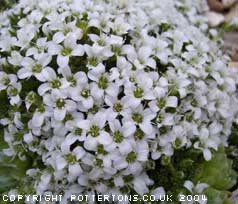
x=220, y=176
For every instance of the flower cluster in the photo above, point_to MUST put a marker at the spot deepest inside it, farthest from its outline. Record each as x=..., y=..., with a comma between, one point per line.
x=100, y=90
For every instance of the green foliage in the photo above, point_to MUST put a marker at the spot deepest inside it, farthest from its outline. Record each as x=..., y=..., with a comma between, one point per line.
x=10, y=172
x=220, y=175
x=228, y=27
x=13, y=170
x=5, y=4
x=4, y=104
x=217, y=197
x=181, y=167
x=234, y=135
x=218, y=172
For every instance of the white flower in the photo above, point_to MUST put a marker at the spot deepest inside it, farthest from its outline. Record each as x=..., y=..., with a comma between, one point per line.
x=24, y=36
x=140, y=89
x=141, y=184
x=68, y=30
x=120, y=26
x=40, y=115
x=44, y=183
x=53, y=82
x=7, y=42
x=158, y=192
x=116, y=85
x=15, y=58
x=196, y=189
x=38, y=49
x=163, y=103
x=13, y=92
x=101, y=21
x=69, y=48
x=96, y=134
x=131, y=157
x=141, y=58
x=102, y=84
x=28, y=138
x=31, y=67
x=72, y=157
x=60, y=104
x=140, y=117
x=82, y=92
x=96, y=54
x=7, y=80
x=160, y=47
x=206, y=141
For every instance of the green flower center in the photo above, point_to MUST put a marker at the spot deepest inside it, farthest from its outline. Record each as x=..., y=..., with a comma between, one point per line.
x=177, y=143
x=103, y=82
x=139, y=134
x=128, y=178
x=137, y=117
x=161, y=103
x=85, y=93
x=194, y=103
x=56, y=84
x=31, y=97
x=99, y=163
x=6, y=81
x=102, y=43
x=162, y=130
x=165, y=160
x=118, y=137
x=66, y=31
x=132, y=79
x=138, y=92
x=159, y=119
x=41, y=109
x=72, y=81
x=94, y=131
x=78, y=131
x=116, y=50
x=93, y=61
x=150, y=164
x=68, y=117
x=131, y=157
x=101, y=150
x=71, y=159
x=103, y=24
x=13, y=91
x=60, y=103
x=189, y=117
x=37, y=68
x=66, y=51
x=18, y=136
x=125, y=190
x=141, y=61
x=94, y=109
x=117, y=107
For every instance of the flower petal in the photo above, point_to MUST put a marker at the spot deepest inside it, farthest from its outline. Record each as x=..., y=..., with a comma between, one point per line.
x=207, y=154
x=59, y=114
x=90, y=143
x=63, y=61
x=38, y=119
x=24, y=73
x=104, y=138
x=78, y=51
x=58, y=37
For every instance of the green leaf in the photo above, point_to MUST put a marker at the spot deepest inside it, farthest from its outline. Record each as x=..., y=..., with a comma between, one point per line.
x=11, y=172
x=218, y=172
x=217, y=197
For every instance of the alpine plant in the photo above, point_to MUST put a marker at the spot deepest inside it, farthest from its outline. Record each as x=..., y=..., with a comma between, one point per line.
x=102, y=91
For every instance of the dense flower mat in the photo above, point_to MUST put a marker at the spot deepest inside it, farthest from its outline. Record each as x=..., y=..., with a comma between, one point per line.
x=115, y=97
